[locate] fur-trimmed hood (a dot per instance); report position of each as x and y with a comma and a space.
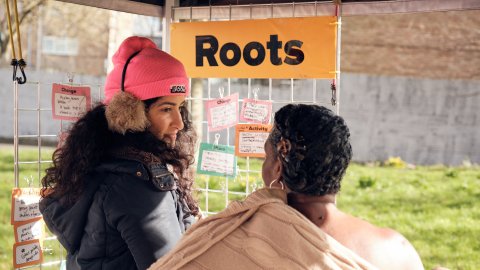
125, 113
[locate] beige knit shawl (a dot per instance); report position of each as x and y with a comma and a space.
262, 232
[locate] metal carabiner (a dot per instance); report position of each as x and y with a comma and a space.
21, 64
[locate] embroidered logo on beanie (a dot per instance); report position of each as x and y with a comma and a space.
178, 89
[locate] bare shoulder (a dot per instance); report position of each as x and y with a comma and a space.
383, 247
398, 252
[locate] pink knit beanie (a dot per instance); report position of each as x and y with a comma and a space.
150, 73
141, 71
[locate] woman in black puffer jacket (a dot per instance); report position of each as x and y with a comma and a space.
118, 195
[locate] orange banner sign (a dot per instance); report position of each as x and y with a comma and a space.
268, 48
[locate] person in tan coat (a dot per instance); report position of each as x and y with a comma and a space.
308, 151
263, 232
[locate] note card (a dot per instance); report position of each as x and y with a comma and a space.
250, 139
70, 102
29, 230
218, 160
222, 113
25, 204
256, 111
27, 253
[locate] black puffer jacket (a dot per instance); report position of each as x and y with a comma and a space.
128, 216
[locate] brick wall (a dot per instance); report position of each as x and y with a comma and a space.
440, 45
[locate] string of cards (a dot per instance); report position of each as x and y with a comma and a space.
28, 227
250, 137
69, 103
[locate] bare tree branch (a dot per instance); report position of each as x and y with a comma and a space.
27, 11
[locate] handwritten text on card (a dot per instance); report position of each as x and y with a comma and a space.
27, 253
222, 113
25, 204
70, 102
252, 142
256, 111
250, 139
217, 160
29, 231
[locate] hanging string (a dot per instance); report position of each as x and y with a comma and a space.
333, 86
10, 29
20, 63
19, 40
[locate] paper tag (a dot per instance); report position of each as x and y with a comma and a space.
29, 230
250, 139
25, 204
218, 160
256, 111
27, 253
70, 102
222, 113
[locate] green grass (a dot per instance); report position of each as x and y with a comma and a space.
435, 207
26, 171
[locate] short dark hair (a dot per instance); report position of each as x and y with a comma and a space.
318, 148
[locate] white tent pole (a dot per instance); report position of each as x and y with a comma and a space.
339, 49
15, 133
167, 20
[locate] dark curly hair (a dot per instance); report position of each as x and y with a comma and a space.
90, 141
313, 145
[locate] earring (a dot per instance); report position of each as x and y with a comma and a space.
275, 180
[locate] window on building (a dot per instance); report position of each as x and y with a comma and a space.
147, 26
64, 46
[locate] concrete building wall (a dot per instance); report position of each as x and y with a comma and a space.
423, 121
431, 114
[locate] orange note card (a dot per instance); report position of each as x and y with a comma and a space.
27, 253
250, 139
25, 204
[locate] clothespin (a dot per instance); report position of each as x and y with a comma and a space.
239, 175
217, 138
221, 91
29, 181
70, 76
255, 93
254, 186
